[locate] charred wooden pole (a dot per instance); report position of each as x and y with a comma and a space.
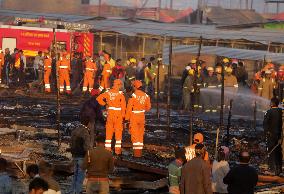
254, 115
217, 143
222, 96
58, 113
169, 88
158, 89
229, 122
195, 89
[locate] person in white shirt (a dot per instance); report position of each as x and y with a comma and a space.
220, 169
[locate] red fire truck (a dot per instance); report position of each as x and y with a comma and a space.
34, 39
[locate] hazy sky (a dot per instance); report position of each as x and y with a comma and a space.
181, 4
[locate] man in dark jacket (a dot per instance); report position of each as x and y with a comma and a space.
99, 163
272, 125
195, 174
80, 144
92, 110
242, 179
7, 66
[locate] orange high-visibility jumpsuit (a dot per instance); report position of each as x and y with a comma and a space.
116, 106
105, 82
64, 74
89, 76
47, 71
1, 65
135, 113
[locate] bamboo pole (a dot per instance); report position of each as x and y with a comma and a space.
169, 88
58, 115
222, 97
143, 47
116, 46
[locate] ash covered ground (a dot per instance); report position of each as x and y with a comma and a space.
28, 122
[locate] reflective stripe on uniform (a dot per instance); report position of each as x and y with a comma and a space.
90, 69
138, 111
46, 86
134, 95
108, 145
260, 88
101, 88
236, 85
137, 148
85, 89
114, 108
109, 71
212, 86
63, 67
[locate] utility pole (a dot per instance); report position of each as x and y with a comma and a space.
100, 6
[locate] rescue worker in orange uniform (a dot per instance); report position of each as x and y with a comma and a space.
135, 114
89, 77
1, 64
190, 150
64, 72
105, 82
116, 105
47, 62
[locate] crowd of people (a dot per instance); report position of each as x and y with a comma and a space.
83, 72
206, 94
108, 81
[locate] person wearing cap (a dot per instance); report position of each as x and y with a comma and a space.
1, 64
137, 105
162, 73
150, 76
241, 179
197, 104
266, 86
64, 69
195, 174
105, 79
220, 169
187, 91
89, 76
130, 73
114, 101
272, 125
190, 150
231, 86
47, 72
209, 96
185, 74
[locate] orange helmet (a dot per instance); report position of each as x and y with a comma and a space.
198, 138
137, 84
